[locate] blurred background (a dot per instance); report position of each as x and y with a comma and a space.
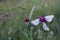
14, 12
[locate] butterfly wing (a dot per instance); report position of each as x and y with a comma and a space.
35, 22
45, 27
49, 18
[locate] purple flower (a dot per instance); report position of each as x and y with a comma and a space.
43, 20
5, 17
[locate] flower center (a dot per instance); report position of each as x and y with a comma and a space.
27, 20
42, 19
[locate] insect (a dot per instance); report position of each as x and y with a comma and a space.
43, 20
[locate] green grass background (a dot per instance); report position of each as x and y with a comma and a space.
18, 10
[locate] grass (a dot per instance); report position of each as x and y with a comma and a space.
16, 29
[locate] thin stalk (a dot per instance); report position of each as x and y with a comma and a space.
30, 15
43, 3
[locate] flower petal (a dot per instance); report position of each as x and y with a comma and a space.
45, 27
35, 22
49, 18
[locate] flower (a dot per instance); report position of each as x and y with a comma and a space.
5, 17
43, 20
27, 20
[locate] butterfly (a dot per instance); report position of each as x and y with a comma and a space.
43, 20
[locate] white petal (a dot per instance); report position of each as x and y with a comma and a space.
35, 22
49, 18
45, 27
